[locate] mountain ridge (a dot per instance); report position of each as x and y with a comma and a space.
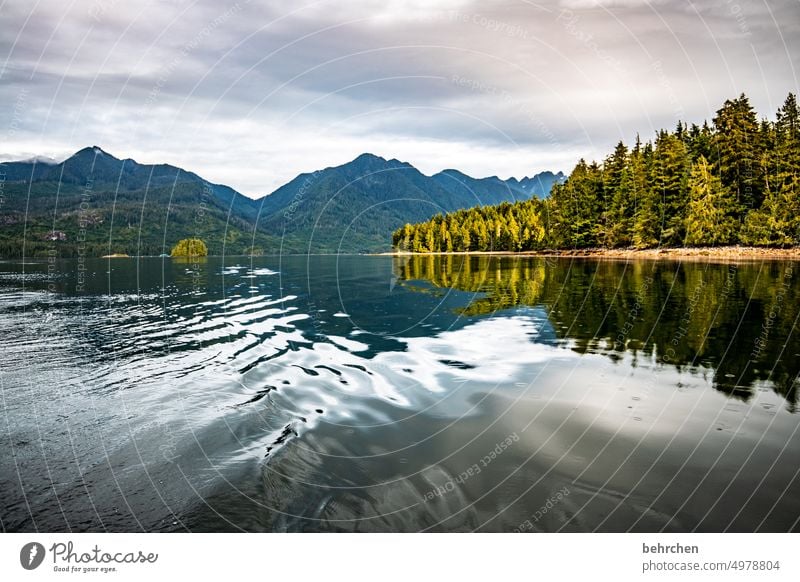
352, 207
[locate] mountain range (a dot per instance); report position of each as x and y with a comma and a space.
93, 203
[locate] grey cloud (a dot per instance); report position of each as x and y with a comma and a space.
272, 86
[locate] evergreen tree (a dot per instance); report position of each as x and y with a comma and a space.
576, 208
513, 233
735, 151
787, 123
670, 181
787, 139
695, 185
700, 141
614, 228
777, 222
646, 218
712, 210
621, 214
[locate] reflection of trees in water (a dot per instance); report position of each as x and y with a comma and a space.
506, 282
737, 320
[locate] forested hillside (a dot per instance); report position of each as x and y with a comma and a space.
736, 180
94, 204
350, 208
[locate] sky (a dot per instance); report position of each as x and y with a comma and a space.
252, 93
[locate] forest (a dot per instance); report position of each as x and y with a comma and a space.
733, 181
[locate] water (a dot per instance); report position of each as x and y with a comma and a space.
399, 394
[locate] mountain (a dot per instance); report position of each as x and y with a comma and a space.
106, 172
539, 185
493, 190
94, 203
477, 191
352, 207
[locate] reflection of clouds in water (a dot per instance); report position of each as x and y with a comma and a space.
477, 357
240, 398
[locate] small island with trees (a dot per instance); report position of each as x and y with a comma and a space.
734, 182
190, 247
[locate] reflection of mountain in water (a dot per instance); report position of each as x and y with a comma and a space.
734, 321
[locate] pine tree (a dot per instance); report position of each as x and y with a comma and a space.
787, 123
482, 240
443, 232
621, 214
777, 222
670, 181
513, 234
576, 208
712, 210
695, 185
646, 214
787, 139
735, 151
614, 229
418, 243
700, 140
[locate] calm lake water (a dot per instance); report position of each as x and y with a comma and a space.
399, 394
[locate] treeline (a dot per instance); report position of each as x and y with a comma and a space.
736, 180
518, 226
136, 231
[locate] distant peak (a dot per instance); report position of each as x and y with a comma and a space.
541, 175
368, 157
94, 151
371, 163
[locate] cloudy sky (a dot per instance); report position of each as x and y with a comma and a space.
252, 93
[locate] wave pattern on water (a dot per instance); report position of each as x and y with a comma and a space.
341, 403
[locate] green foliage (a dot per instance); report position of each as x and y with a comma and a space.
777, 221
576, 208
670, 179
112, 211
734, 181
736, 151
646, 216
104, 205
352, 207
506, 227
190, 247
712, 211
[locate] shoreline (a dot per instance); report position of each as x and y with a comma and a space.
726, 253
